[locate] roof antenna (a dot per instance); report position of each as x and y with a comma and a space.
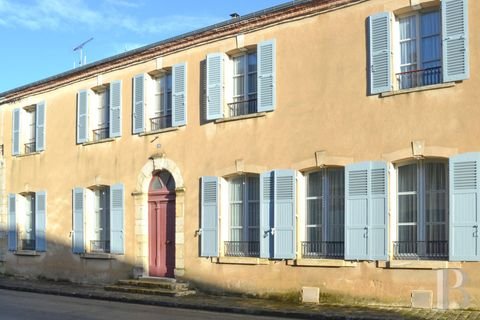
83, 58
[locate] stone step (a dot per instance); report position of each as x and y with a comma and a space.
150, 291
149, 283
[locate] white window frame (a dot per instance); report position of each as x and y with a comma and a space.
152, 97
25, 202
90, 211
27, 133
98, 96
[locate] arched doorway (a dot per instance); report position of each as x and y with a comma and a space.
161, 225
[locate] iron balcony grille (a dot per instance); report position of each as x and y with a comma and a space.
161, 122
323, 249
420, 250
241, 108
419, 78
27, 244
100, 134
99, 246
242, 248
29, 147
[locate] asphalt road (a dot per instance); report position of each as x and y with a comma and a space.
25, 306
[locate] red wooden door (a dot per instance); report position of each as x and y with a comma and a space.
161, 231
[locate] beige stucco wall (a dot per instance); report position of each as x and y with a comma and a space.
321, 105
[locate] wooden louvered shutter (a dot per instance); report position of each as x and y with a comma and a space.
138, 120
179, 95
266, 73
209, 217
379, 32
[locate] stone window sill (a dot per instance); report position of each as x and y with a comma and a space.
27, 154
97, 256
158, 131
97, 142
418, 264
418, 89
322, 263
27, 253
245, 116
241, 260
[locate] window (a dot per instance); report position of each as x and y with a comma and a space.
244, 217
99, 113
429, 46
422, 198
28, 129
98, 219
26, 221
159, 99
245, 81
325, 214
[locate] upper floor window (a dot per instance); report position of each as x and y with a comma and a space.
28, 129
99, 113
429, 46
241, 83
159, 100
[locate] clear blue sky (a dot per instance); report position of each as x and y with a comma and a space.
37, 37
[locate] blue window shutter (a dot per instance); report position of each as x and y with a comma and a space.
284, 214
266, 214
379, 45
179, 95
117, 219
464, 200
82, 116
40, 221
455, 40
16, 132
215, 86
378, 212
209, 219
115, 126
12, 222
78, 242
138, 104
40, 126
266, 74
356, 211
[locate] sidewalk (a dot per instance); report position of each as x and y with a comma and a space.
235, 304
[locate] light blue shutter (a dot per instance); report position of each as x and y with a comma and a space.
266, 76
179, 95
78, 242
464, 200
138, 104
40, 221
16, 132
117, 219
40, 126
12, 222
214, 86
209, 219
379, 53
115, 109
356, 211
266, 214
455, 40
82, 116
378, 212
284, 217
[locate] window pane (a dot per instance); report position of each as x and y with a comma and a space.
407, 208
407, 178
314, 234
314, 187
239, 86
336, 196
252, 62
407, 233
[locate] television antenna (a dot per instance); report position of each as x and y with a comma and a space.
79, 48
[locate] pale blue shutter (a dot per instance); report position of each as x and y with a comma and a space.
378, 212
266, 214
464, 201
78, 242
115, 109
117, 219
138, 104
179, 95
12, 222
266, 76
356, 211
284, 217
455, 40
16, 132
214, 86
82, 116
40, 221
379, 32
209, 217
40, 126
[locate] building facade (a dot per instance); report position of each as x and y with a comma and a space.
327, 144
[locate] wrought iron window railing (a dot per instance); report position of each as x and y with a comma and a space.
323, 249
420, 250
419, 78
29, 147
161, 122
27, 244
100, 134
99, 246
240, 108
242, 248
